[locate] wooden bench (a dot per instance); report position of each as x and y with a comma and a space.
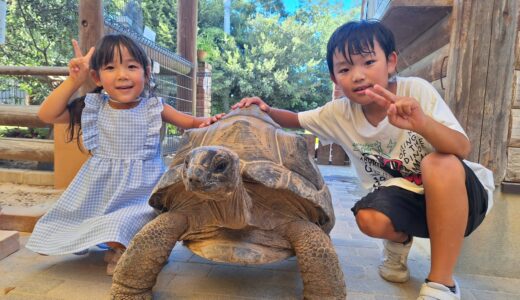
27, 149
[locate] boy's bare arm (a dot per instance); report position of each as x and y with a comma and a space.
445, 139
285, 118
406, 113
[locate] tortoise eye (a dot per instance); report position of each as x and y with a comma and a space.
221, 167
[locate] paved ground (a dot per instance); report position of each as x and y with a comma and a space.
25, 275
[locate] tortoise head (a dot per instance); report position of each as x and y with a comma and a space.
211, 171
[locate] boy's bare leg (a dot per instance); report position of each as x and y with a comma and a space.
447, 212
376, 224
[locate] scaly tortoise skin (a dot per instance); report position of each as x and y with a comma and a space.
241, 191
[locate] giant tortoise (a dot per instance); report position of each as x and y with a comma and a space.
241, 191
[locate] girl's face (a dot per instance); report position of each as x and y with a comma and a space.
123, 79
365, 70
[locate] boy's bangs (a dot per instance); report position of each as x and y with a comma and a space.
357, 45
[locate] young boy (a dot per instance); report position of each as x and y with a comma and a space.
408, 150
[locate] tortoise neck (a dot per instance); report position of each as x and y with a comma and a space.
235, 210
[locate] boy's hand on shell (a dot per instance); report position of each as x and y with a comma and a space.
246, 102
79, 66
212, 120
403, 112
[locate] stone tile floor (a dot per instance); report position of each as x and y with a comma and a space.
26, 275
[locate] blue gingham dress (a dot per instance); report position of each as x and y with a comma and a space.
108, 199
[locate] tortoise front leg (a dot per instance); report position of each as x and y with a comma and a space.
319, 265
137, 270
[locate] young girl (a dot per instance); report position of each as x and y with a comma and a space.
107, 202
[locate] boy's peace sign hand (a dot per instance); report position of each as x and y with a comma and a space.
403, 112
79, 66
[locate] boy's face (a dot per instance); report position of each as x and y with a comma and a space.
365, 70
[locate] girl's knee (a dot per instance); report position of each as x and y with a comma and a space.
372, 222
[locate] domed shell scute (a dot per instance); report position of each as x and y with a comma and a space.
293, 151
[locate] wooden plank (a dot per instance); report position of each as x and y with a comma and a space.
517, 52
433, 39
480, 71
499, 87
516, 89
514, 140
513, 165
338, 155
187, 48
9, 243
432, 67
91, 29
25, 115
323, 154
34, 71
409, 19
27, 149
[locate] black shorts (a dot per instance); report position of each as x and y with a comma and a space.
407, 210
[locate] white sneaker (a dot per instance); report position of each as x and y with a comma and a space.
394, 266
436, 291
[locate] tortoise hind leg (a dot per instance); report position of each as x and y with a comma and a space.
319, 265
137, 270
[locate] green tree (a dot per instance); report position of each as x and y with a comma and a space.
278, 57
38, 34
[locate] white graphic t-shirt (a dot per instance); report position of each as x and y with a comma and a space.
385, 155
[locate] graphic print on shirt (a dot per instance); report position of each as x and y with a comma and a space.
380, 165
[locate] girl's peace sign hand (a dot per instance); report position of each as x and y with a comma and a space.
403, 112
79, 66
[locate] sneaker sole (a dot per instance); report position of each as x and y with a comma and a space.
401, 278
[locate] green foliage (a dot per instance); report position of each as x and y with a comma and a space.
270, 53
24, 132
276, 56
38, 34
161, 16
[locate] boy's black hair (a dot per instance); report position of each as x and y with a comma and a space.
358, 37
103, 55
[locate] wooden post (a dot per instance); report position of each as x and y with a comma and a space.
68, 158
187, 48
480, 76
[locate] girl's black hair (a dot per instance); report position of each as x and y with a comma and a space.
103, 55
357, 37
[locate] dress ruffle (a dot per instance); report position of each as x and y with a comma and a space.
89, 118
154, 108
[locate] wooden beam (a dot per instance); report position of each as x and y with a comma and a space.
187, 48
91, 29
409, 19
433, 39
514, 141
26, 115
34, 71
513, 165
516, 89
68, 159
431, 67
27, 149
517, 52
480, 72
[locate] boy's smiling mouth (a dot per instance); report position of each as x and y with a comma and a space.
361, 89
